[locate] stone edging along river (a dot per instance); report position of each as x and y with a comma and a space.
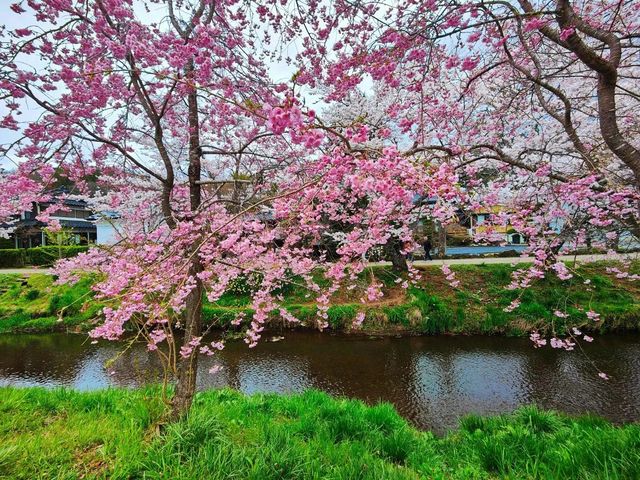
432, 381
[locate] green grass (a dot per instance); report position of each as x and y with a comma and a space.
341, 315
120, 434
431, 307
35, 303
478, 304
476, 307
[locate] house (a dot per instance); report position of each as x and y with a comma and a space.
478, 221
74, 217
108, 228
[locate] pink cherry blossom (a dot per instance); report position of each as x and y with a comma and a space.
566, 33
591, 315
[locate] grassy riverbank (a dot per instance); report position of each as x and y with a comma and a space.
430, 307
120, 434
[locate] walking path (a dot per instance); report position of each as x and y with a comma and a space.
23, 271
480, 261
417, 263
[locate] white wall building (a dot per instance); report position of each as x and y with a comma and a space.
108, 227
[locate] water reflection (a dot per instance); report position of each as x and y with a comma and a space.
431, 380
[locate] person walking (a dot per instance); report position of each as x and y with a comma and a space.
426, 244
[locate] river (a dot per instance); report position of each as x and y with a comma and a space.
432, 381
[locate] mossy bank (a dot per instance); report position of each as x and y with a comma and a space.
477, 306
122, 434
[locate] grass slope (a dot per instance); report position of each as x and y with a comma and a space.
63, 434
431, 307
35, 304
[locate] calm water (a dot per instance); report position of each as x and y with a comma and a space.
431, 380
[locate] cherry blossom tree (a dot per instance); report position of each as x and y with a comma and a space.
217, 172
560, 74
532, 104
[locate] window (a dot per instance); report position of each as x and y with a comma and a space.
73, 213
63, 213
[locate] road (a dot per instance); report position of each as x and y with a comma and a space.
23, 271
480, 261
564, 258
417, 263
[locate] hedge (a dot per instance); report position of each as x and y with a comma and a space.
12, 258
38, 256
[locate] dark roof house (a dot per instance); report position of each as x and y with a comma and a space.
74, 216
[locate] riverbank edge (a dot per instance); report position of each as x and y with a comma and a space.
118, 433
477, 306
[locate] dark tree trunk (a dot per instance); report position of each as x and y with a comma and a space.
393, 250
609, 127
442, 241
187, 367
607, 70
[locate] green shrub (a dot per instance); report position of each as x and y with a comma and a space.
496, 318
12, 258
46, 256
220, 316
17, 319
397, 314
341, 315
437, 317
70, 299
38, 256
304, 313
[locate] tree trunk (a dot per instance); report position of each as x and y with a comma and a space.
393, 249
188, 367
442, 241
609, 127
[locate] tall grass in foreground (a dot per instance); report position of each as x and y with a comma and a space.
119, 434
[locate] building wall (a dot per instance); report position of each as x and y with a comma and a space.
106, 233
